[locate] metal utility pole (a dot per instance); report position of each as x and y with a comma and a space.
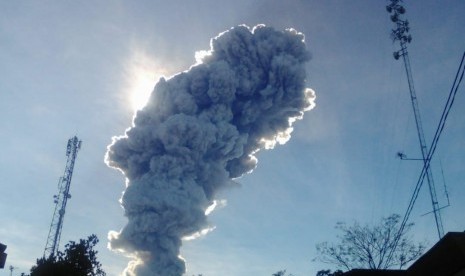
400, 33
11, 269
60, 199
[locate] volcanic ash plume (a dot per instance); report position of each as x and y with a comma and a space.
200, 129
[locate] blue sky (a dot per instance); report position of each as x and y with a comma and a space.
69, 68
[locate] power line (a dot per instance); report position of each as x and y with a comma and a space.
450, 101
401, 34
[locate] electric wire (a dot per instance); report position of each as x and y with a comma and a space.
432, 149
446, 194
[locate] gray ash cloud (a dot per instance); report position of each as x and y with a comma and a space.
199, 130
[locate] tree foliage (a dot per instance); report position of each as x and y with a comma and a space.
369, 247
329, 273
281, 273
78, 259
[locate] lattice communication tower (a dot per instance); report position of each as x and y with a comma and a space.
401, 34
60, 199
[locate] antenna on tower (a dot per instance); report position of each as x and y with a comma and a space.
60, 199
401, 34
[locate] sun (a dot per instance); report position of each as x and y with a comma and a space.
141, 76
143, 83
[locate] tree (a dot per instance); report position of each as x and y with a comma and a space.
78, 259
370, 247
329, 273
281, 273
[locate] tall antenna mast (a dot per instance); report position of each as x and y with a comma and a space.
401, 34
60, 199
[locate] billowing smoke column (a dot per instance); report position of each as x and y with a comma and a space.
200, 129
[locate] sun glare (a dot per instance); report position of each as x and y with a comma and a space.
143, 73
144, 82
